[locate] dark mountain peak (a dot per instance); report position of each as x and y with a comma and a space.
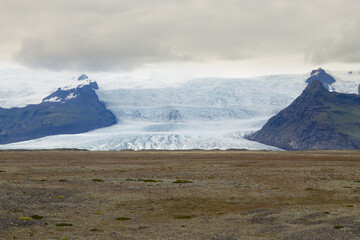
317, 71
315, 86
320, 74
93, 85
317, 119
315, 92
68, 93
83, 77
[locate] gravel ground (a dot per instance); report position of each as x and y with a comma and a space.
222, 195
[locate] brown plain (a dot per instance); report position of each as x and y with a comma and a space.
220, 195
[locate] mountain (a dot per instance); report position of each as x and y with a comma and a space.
317, 119
322, 76
68, 110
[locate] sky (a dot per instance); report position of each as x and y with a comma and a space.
180, 39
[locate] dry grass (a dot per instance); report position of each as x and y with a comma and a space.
226, 195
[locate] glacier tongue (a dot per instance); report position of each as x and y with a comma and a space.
146, 135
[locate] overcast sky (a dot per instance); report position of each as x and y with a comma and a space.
212, 37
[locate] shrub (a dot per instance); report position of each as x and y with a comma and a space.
96, 230
97, 180
123, 218
182, 217
149, 180
64, 225
182, 181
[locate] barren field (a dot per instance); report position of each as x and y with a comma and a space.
220, 195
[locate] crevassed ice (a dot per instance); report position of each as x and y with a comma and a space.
207, 113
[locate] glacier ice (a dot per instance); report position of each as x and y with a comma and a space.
209, 113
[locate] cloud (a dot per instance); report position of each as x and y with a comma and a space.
87, 53
342, 47
122, 34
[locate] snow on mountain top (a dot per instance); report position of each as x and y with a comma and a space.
77, 84
67, 93
20, 86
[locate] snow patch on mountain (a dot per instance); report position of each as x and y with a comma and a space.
53, 99
79, 84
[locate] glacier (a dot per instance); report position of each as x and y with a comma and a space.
207, 113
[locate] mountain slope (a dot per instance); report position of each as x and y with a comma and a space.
66, 111
317, 119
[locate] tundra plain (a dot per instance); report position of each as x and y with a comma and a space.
220, 195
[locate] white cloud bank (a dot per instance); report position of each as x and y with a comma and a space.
113, 35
